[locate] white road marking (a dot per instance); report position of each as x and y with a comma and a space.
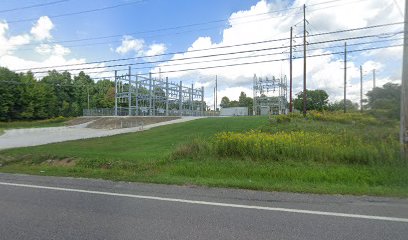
336, 214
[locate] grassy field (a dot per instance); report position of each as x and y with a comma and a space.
54, 122
192, 153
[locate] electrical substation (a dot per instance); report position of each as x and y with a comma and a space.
270, 95
145, 95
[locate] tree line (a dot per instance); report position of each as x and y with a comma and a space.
384, 100
23, 97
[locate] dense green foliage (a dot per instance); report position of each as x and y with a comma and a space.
22, 97
385, 101
316, 100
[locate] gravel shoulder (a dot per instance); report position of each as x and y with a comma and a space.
14, 138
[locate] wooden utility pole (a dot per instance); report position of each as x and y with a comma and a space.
361, 88
404, 91
290, 70
304, 61
345, 76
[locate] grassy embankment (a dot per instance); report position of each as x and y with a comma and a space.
351, 154
53, 122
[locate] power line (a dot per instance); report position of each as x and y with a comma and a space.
169, 28
275, 60
207, 49
80, 12
213, 55
258, 62
33, 6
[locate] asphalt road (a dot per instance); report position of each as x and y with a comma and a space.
35, 207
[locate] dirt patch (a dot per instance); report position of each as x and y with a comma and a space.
80, 120
127, 122
66, 162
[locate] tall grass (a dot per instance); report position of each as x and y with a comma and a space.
351, 138
52, 122
305, 146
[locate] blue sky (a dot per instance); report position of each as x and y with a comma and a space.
141, 16
44, 39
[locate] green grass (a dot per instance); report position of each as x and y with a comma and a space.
53, 122
183, 154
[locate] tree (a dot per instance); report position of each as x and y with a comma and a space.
339, 106
245, 101
10, 94
386, 99
225, 102
316, 100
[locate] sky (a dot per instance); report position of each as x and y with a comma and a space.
164, 37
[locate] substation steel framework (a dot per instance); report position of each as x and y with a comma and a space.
270, 95
138, 95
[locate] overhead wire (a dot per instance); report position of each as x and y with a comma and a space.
33, 6
207, 49
215, 55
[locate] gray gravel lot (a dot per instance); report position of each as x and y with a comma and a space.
38, 136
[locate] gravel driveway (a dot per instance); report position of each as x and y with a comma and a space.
38, 136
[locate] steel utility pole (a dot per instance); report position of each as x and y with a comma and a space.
130, 93
290, 70
216, 92
304, 61
361, 88
374, 78
404, 91
116, 93
345, 76
214, 100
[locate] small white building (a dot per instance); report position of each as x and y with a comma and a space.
234, 111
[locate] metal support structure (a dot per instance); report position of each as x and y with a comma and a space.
270, 96
404, 91
345, 77
290, 71
181, 98
167, 94
136, 96
374, 78
148, 95
361, 88
202, 101
130, 93
216, 92
116, 93
304, 61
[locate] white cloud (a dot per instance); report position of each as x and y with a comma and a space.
42, 29
260, 23
60, 50
9, 43
57, 49
153, 50
156, 49
43, 49
130, 44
